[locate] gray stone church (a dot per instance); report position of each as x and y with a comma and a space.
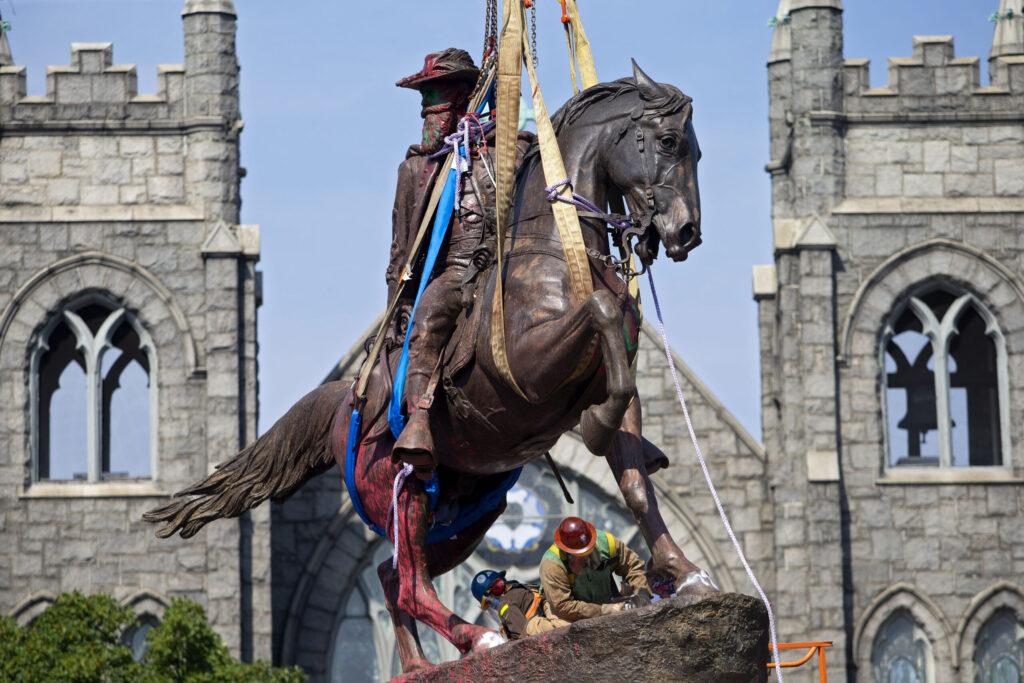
882, 512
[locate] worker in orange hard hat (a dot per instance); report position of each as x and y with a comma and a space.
576, 572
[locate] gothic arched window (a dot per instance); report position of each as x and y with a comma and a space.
134, 636
946, 392
901, 652
999, 649
93, 404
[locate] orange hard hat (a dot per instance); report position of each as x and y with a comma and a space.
575, 536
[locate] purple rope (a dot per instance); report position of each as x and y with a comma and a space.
582, 202
481, 130
711, 486
459, 142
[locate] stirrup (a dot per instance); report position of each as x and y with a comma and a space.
415, 445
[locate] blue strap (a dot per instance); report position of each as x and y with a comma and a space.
467, 515
444, 213
351, 447
471, 513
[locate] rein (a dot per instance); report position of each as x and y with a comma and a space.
622, 228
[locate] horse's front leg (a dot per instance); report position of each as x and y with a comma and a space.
546, 355
416, 596
626, 459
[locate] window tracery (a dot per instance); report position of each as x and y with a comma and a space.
946, 392
93, 404
999, 649
901, 652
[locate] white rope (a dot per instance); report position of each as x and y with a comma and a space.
393, 508
711, 486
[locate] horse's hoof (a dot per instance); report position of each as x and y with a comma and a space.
487, 640
597, 436
416, 665
695, 587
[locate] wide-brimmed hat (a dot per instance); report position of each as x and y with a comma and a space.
575, 536
452, 64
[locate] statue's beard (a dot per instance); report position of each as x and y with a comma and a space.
437, 125
440, 120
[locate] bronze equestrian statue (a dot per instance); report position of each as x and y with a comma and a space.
632, 137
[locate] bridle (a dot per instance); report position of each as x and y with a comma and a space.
623, 229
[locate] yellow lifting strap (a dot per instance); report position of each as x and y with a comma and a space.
509, 86
566, 219
579, 48
581, 54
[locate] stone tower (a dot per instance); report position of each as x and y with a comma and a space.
128, 297
892, 346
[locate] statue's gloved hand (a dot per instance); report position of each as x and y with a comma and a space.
641, 599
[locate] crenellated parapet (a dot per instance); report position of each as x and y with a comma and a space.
92, 88
934, 81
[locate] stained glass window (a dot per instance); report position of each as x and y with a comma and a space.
901, 651
516, 542
135, 636
999, 649
353, 660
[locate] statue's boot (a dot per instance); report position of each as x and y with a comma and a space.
415, 445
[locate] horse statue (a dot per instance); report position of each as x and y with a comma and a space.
632, 136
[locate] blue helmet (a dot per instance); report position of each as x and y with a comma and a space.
483, 581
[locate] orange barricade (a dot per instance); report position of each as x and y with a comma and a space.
811, 649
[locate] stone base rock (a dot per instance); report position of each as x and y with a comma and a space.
720, 639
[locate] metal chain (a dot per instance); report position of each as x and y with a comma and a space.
533, 31
494, 21
490, 28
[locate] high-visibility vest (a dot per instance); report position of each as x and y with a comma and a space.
596, 585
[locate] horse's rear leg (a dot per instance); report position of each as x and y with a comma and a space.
406, 636
626, 459
416, 596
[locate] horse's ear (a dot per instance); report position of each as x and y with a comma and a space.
649, 90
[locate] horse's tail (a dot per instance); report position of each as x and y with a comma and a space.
296, 449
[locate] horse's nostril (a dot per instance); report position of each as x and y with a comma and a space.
687, 232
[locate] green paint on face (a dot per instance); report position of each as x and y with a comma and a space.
431, 96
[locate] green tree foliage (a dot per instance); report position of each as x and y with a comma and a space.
185, 648
77, 640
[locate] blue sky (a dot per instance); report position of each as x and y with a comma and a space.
325, 129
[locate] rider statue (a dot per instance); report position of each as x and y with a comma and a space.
445, 84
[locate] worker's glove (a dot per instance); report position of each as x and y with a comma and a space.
642, 598
612, 608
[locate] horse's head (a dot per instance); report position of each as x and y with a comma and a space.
654, 165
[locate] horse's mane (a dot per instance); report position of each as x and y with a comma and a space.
673, 102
